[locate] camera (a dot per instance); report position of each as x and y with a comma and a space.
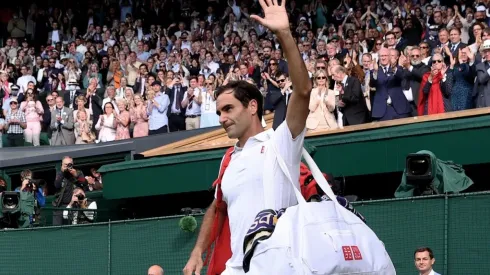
80, 197
69, 166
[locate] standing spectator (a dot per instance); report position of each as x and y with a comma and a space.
2, 126
158, 103
280, 100
17, 26
322, 105
435, 89
107, 124
83, 128
33, 110
62, 124
192, 105
140, 117
122, 120
16, 123
482, 91
389, 101
463, 80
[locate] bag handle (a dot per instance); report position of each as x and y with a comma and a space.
315, 171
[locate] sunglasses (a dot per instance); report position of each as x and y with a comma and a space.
272, 64
281, 80
437, 61
424, 47
379, 44
348, 43
49, 99
415, 56
209, 83
320, 68
321, 78
13, 103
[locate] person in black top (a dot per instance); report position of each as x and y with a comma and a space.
66, 181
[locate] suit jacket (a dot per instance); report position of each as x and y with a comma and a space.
96, 102
388, 85
180, 96
412, 79
455, 51
482, 91
278, 101
63, 134
355, 110
60, 35
137, 86
66, 97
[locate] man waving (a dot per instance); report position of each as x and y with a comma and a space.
240, 108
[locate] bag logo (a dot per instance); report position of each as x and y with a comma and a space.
262, 150
351, 253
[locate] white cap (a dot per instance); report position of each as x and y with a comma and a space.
481, 8
486, 45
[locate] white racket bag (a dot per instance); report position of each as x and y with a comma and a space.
319, 238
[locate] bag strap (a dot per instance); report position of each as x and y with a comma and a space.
315, 171
318, 176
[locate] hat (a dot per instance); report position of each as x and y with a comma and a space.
156, 83
334, 37
14, 87
14, 99
302, 19
481, 8
485, 46
72, 81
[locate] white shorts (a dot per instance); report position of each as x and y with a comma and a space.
233, 271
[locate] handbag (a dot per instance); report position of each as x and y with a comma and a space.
319, 237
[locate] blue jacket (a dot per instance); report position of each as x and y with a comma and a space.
389, 84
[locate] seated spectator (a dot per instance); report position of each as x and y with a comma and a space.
94, 180
83, 128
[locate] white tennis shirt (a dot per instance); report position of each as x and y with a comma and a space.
243, 187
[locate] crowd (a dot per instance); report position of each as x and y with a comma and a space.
122, 69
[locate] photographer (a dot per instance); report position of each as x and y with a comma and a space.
66, 181
79, 200
33, 186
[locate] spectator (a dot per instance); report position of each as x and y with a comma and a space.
192, 104
62, 124
157, 106
83, 128
33, 110
322, 105
107, 124
15, 124
122, 120
281, 100
209, 118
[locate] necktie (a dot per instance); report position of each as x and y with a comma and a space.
453, 47
176, 96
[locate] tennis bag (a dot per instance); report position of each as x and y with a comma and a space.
319, 238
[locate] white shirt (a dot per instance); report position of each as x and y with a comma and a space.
195, 109
23, 81
242, 183
89, 214
431, 272
208, 104
113, 101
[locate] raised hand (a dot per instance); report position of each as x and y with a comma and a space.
275, 16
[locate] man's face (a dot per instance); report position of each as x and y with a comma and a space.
111, 92
30, 86
59, 102
415, 56
398, 32
282, 81
330, 50
384, 57
443, 36
437, 18
50, 100
267, 53
390, 39
193, 83
423, 262
233, 116
366, 62
454, 36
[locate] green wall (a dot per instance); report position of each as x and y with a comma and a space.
373, 151
455, 227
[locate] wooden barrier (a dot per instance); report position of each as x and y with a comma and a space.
218, 139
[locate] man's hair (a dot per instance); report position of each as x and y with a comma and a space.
423, 249
66, 157
244, 92
338, 69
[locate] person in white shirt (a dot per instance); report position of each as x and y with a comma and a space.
192, 103
209, 118
209, 67
25, 79
240, 108
111, 97
424, 260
